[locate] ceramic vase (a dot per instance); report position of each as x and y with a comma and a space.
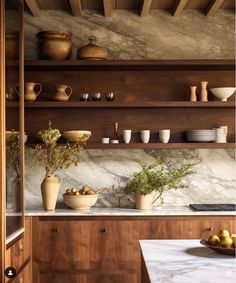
127, 136
203, 93
50, 189
193, 93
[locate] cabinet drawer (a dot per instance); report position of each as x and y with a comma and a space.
203, 227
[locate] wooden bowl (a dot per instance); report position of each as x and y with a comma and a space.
77, 136
226, 251
80, 202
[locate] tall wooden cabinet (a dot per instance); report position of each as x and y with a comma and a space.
11, 139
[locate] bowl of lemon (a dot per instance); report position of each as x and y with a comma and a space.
224, 242
82, 199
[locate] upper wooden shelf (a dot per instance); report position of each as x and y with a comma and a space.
128, 64
148, 104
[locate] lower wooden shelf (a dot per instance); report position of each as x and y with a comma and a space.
159, 145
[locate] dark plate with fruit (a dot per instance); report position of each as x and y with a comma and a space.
218, 249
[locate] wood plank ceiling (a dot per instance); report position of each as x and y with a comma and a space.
106, 7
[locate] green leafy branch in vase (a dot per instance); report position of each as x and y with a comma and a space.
160, 177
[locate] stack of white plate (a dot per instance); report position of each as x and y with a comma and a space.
201, 135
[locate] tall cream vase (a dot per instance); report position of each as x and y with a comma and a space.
50, 189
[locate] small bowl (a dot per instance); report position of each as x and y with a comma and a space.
77, 136
223, 93
80, 202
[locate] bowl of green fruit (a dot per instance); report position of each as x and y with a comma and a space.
82, 199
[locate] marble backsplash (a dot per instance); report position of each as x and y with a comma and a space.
128, 36
214, 181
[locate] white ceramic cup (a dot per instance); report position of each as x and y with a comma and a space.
114, 141
145, 136
164, 135
105, 140
127, 136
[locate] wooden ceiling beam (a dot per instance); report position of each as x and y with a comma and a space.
145, 7
179, 6
33, 7
213, 7
76, 7
108, 6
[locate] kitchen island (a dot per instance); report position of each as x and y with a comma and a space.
184, 261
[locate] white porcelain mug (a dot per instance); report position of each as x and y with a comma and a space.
127, 136
164, 135
145, 136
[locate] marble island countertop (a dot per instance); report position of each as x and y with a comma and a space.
106, 211
184, 261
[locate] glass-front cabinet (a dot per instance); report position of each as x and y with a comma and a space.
14, 126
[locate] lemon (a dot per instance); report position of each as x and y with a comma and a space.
213, 240
223, 234
226, 242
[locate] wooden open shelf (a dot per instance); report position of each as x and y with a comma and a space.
160, 145
149, 94
145, 104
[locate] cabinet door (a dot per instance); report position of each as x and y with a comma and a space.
164, 228
203, 227
90, 278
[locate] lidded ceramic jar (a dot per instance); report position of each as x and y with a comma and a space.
92, 51
53, 45
12, 45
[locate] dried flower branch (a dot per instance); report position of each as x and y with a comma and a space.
12, 150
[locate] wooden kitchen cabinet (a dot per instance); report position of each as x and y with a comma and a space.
106, 249
61, 246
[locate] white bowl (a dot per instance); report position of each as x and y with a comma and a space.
80, 202
223, 93
77, 136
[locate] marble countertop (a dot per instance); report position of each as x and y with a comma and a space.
105, 211
184, 261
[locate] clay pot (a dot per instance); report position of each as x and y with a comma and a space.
30, 93
12, 46
54, 45
92, 51
50, 189
61, 94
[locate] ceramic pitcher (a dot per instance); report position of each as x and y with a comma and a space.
50, 189
30, 92
147, 201
61, 94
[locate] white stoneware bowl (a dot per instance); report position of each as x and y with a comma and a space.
77, 136
80, 202
223, 93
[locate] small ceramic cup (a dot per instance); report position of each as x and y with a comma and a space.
97, 96
164, 135
127, 136
84, 97
110, 96
105, 140
145, 136
114, 141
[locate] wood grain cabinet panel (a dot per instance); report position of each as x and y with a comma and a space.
96, 277
203, 227
83, 245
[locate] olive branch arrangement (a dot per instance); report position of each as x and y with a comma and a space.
53, 156
160, 177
